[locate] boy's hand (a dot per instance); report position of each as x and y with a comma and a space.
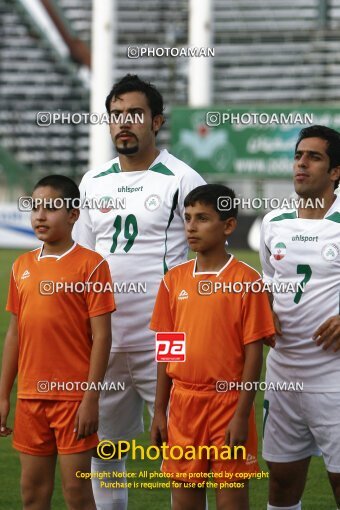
237, 431
159, 429
4, 412
86, 422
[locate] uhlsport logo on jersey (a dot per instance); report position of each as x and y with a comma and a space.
330, 252
280, 251
170, 347
152, 202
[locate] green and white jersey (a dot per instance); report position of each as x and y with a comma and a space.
303, 251
141, 238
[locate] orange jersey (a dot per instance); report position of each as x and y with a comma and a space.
55, 337
217, 324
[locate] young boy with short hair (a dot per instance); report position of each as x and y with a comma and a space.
224, 332
58, 342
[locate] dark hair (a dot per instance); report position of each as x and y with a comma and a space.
211, 194
66, 186
332, 138
132, 83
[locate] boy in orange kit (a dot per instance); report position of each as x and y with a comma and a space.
58, 343
225, 325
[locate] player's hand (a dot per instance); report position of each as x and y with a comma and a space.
237, 431
159, 429
328, 334
4, 412
86, 422
277, 324
269, 340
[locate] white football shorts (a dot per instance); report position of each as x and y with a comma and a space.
121, 410
297, 425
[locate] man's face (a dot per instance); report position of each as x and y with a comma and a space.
128, 137
204, 229
311, 168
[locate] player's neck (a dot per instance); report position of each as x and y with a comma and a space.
138, 162
317, 213
57, 247
211, 261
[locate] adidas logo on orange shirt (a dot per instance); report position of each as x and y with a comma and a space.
26, 274
183, 294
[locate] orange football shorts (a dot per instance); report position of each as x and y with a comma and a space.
46, 427
198, 415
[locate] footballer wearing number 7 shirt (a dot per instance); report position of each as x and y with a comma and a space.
302, 246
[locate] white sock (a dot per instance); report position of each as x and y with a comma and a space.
102, 496
294, 507
119, 496
108, 498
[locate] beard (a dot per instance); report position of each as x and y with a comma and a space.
125, 148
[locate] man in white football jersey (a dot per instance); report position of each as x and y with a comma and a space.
140, 238
302, 245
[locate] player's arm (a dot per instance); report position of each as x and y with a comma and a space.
328, 334
268, 272
237, 430
189, 181
159, 432
276, 320
9, 372
82, 232
162, 320
86, 422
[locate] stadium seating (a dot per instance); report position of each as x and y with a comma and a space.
266, 52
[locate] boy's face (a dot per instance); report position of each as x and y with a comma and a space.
51, 224
204, 228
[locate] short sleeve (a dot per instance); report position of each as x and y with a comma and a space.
82, 231
268, 270
161, 319
257, 319
99, 295
13, 295
189, 181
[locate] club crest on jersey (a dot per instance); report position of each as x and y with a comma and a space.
330, 252
279, 251
152, 202
105, 201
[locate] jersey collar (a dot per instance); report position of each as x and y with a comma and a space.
216, 273
57, 257
162, 156
333, 208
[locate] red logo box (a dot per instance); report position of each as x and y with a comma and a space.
170, 347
